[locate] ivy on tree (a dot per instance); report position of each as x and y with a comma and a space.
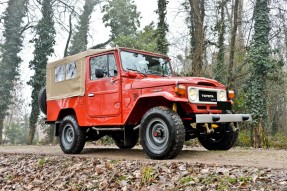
80, 38
9, 66
162, 27
44, 43
259, 57
122, 17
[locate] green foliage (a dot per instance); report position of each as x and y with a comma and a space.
80, 38
122, 17
260, 63
244, 139
148, 175
186, 180
9, 66
143, 40
162, 27
278, 141
44, 43
42, 161
264, 70
16, 133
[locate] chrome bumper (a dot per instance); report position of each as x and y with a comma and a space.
222, 118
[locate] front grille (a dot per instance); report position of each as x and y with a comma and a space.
207, 96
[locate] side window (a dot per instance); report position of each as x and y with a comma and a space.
66, 71
107, 63
71, 70
99, 62
59, 73
113, 71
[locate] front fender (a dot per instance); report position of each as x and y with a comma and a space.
148, 101
167, 95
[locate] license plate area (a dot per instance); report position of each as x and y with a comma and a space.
207, 96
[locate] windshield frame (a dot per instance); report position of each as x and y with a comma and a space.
166, 62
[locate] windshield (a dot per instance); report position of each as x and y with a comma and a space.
145, 64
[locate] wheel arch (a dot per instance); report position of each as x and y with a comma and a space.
143, 104
63, 113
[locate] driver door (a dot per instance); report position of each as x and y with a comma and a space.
103, 98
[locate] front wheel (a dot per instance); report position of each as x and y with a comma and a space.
72, 138
223, 138
162, 133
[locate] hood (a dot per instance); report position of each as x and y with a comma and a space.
155, 82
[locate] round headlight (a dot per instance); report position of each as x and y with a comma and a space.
222, 96
192, 94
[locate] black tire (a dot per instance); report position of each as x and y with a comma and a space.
162, 133
42, 98
72, 138
132, 139
223, 138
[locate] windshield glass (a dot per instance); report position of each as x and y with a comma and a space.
145, 64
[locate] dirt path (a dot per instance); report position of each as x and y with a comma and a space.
240, 157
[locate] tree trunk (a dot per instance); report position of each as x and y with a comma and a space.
260, 140
220, 71
69, 35
33, 121
232, 46
1, 128
240, 36
197, 8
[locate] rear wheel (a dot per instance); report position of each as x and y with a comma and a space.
72, 138
223, 138
162, 133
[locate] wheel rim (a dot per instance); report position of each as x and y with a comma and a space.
157, 135
68, 136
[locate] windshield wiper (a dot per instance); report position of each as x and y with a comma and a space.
137, 71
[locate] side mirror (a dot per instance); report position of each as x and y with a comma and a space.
99, 73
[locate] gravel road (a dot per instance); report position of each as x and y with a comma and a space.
240, 157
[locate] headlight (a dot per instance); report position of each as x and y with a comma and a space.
192, 94
222, 96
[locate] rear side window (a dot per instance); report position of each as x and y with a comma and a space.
107, 63
59, 73
71, 70
66, 72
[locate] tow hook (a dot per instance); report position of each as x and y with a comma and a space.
208, 129
234, 128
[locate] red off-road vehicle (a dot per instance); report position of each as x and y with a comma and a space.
130, 94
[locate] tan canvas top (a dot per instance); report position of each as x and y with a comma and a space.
66, 86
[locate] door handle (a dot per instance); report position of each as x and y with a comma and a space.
113, 80
91, 95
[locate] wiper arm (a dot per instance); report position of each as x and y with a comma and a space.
137, 71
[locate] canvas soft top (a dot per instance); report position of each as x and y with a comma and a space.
71, 87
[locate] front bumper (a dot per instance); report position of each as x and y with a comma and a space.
222, 118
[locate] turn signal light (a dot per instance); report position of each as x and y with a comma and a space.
231, 94
180, 89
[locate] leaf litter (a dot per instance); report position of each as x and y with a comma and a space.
43, 172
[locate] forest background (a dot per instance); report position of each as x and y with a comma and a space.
240, 43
